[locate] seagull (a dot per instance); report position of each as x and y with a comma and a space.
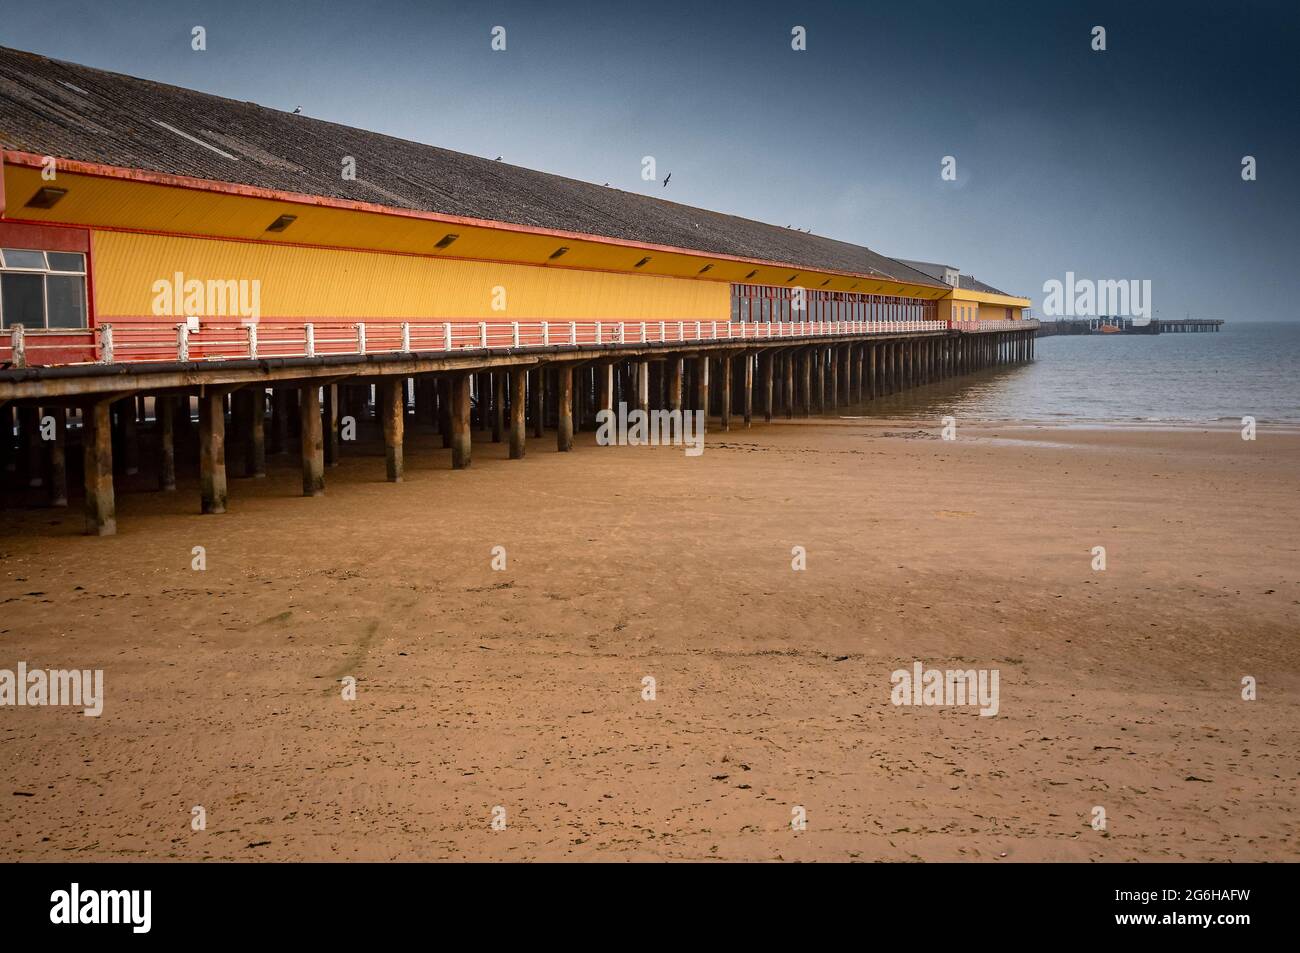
666, 178
297, 110
498, 159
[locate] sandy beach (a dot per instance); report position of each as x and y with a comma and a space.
522, 688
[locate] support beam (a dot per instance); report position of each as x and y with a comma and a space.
498, 404
59, 458
392, 397
747, 388
537, 400
212, 452
330, 425
165, 410
518, 419
97, 457
460, 429
312, 440
725, 385
564, 398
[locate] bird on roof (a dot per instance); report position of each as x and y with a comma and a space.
297, 110
498, 159
666, 178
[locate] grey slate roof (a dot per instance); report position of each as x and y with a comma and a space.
50, 107
965, 282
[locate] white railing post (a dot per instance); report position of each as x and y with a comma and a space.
514, 330
183, 342
19, 345
642, 332
252, 341
106, 344
715, 330
598, 340
446, 335
482, 334
546, 333
406, 337
309, 338
573, 332
360, 328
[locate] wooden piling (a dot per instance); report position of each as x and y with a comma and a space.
97, 459
165, 410
330, 425
518, 418
460, 426
312, 440
392, 397
212, 452
59, 458
564, 398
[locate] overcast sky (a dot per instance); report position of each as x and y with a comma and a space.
1117, 164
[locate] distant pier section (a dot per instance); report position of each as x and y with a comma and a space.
1116, 325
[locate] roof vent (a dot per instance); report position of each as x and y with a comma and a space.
558, 252
705, 268
281, 223
751, 274
642, 262
445, 241
46, 197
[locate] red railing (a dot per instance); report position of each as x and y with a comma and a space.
133, 340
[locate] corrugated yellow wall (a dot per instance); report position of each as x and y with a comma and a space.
330, 283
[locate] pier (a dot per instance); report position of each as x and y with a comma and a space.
1117, 325
228, 397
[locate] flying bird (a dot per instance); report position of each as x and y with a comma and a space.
666, 178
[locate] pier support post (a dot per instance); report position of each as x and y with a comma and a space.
643, 386
518, 420
767, 360
445, 413
130, 436
330, 425
312, 440
702, 385
747, 387
392, 397
59, 458
459, 429
212, 451
97, 458
247, 410
674, 369
564, 398
165, 409
537, 400
279, 420
498, 379
725, 385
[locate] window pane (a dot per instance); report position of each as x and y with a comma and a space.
23, 300
66, 261
17, 258
67, 298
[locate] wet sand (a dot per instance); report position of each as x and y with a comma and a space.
523, 688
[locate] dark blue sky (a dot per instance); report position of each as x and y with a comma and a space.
1122, 164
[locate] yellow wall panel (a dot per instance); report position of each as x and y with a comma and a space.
298, 282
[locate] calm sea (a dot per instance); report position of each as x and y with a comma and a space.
1245, 369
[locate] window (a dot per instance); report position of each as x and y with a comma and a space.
40, 289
